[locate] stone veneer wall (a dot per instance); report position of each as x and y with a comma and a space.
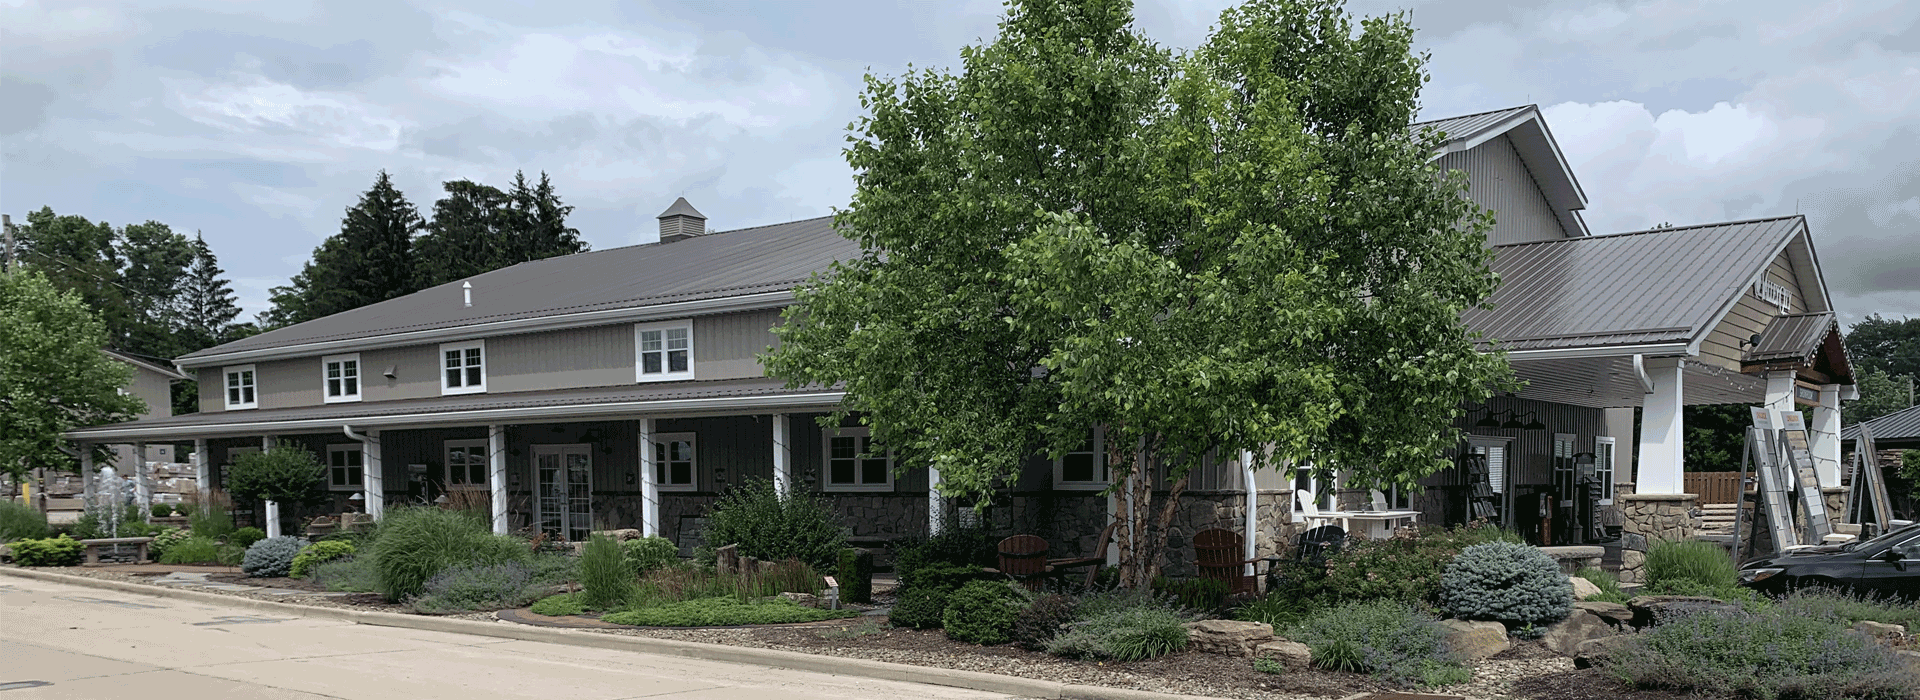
1649, 518
1227, 510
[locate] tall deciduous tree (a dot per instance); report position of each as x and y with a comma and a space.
78, 255
156, 266
1241, 248
53, 377
369, 261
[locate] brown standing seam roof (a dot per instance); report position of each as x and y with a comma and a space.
1658, 286
1791, 337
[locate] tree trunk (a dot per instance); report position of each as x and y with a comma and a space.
1143, 535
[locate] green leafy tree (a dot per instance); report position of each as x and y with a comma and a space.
1889, 346
53, 377
287, 474
1880, 394
1716, 435
1239, 248
79, 256
369, 261
153, 281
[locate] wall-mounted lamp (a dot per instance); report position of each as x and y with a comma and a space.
1751, 341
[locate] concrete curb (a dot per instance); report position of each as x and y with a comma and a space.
775, 658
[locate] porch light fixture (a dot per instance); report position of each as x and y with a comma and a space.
1533, 423
1512, 423
1487, 422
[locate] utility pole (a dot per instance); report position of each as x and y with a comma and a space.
6, 231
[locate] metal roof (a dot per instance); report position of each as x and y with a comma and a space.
1649, 287
1901, 425
726, 264
681, 207
1792, 337
147, 365
625, 401
1468, 126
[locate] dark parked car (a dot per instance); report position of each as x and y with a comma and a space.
1888, 565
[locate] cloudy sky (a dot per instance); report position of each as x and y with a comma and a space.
258, 123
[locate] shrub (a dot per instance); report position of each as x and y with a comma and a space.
1040, 621
1689, 566
211, 518
943, 577
165, 540
52, 551
318, 553
982, 612
19, 521
184, 510
968, 547
1266, 665
856, 575
1405, 568
478, 587
1507, 582
606, 579
1194, 593
919, 608
550, 568
287, 473
1771, 654
1124, 634
1391, 640
768, 527
162, 510
1283, 607
246, 536
414, 544
202, 550
1849, 607
1608, 584
352, 575
559, 605
648, 554
271, 557
716, 612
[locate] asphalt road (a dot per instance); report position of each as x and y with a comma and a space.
102, 645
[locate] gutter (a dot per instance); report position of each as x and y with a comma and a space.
655, 312
1655, 350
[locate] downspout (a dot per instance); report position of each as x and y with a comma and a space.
1253, 511
373, 476
1640, 371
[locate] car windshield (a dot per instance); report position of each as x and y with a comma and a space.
1899, 534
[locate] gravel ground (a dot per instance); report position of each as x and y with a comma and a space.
1526, 671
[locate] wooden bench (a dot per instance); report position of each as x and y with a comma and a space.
94, 546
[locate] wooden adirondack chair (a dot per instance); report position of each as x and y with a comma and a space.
1220, 555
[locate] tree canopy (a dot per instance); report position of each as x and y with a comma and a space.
1242, 247
53, 377
369, 261
1886, 361
477, 228
287, 474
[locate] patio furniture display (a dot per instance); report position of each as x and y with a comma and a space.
1218, 554
1315, 544
1023, 558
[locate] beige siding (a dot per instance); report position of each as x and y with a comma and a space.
155, 389
581, 357
1498, 180
1751, 315
416, 373
288, 383
725, 346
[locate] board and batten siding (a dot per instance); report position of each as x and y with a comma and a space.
726, 345
576, 357
1498, 180
1750, 315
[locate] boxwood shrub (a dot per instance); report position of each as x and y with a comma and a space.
982, 612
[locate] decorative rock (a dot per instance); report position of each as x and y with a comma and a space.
1613, 613
1880, 631
805, 600
1472, 640
1565, 636
1597, 652
1582, 588
1652, 609
620, 535
1289, 653
1910, 657
1230, 637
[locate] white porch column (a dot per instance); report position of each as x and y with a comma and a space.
202, 469
933, 501
142, 482
497, 476
1252, 525
649, 487
1662, 434
782, 456
273, 509
1780, 390
1825, 439
373, 476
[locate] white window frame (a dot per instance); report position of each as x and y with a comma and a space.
471, 447
440, 367
228, 387
826, 462
1325, 502
340, 448
663, 467
327, 379
1604, 463
640, 373
1060, 481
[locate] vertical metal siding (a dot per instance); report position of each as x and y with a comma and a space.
1498, 180
725, 345
286, 383
1529, 459
416, 373
727, 450
576, 357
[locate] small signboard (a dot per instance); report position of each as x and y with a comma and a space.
1763, 418
832, 583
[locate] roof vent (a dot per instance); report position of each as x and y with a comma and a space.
681, 221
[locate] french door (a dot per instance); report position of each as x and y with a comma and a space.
563, 482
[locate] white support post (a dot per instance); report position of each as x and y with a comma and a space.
782, 456
1253, 511
202, 470
373, 476
273, 509
142, 482
1662, 431
497, 476
649, 487
934, 501
87, 477
1825, 439
1780, 390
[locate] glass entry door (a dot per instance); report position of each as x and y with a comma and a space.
563, 479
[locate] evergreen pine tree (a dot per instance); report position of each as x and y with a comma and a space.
157, 260
369, 261
206, 304
544, 219
467, 235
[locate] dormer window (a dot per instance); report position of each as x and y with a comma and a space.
340, 378
241, 388
663, 351
463, 367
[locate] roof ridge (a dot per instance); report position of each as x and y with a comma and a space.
1475, 114
1671, 229
704, 235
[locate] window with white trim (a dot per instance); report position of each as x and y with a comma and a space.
674, 466
852, 463
1603, 456
663, 351
344, 467
1084, 467
463, 367
241, 388
1322, 487
340, 378
467, 464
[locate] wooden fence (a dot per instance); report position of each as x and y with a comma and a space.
1714, 487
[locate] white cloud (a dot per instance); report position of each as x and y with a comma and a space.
254, 105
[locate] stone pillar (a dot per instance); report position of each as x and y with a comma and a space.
1650, 518
782, 456
1662, 432
649, 487
933, 501
1825, 436
497, 476
202, 470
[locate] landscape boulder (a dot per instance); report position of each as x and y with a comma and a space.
620, 535
1565, 636
1880, 631
805, 600
1473, 640
1289, 653
1582, 588
1649, 610
1597, 652
1614, 613
1229, 637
